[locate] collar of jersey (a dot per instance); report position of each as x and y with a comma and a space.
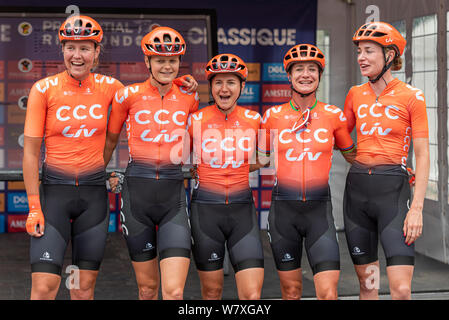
153, 88
84, 83
387, 89
295, 108
234, 112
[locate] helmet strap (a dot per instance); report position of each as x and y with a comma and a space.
384, 69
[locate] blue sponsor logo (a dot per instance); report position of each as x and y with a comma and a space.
2, 223
250, 93
2, 114
274, 72
112, 222
17, 202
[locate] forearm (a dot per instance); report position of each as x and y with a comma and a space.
31, 173
421, 180
111, 142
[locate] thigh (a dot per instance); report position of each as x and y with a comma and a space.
138, 229
174, 234
285, 238
208, 240
47, 252
360, 228
392, 207
243, 237
90, 228
321, 237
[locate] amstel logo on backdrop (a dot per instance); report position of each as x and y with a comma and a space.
278, 93
17, 222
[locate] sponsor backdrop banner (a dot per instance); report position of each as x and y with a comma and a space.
259, 32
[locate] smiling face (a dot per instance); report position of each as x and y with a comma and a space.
226, 89
370, 57
305, 76
163, 69
79, 57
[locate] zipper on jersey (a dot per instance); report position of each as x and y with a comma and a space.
303, 175
159, 147
226, 179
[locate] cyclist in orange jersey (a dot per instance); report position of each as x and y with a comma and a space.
69, 110
302, 134
387, 114
224, 138
156, 113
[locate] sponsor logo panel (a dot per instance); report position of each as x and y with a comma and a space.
278, 93
17, 202
17, 222
274, 72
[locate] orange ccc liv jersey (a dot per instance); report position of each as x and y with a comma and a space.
386, 124
72, 116
155, 128
303, 157
223, 146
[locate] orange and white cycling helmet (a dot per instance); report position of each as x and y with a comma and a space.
382, 33
304, 52
226, 63
163, 41
80, 28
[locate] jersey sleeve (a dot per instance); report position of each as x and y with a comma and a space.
264, 139
36, 113
196, 102
418, 116
349, 111
343, 139
119, 112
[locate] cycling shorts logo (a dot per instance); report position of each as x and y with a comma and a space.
287, 257
214, 257
148, 247
46, 256
356, 251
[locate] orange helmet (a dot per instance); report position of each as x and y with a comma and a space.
226, 63
163, 41
304, 52
382, 33
80, 28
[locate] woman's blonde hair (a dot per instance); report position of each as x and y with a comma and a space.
397, 60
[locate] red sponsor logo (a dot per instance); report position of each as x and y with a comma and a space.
268, 180
54, 67
112, 201
266, 199
108, 69
18, 90
25, 69
133, 71
17, 222
2, 136
15, 157
256, 198
2, 70
198, 71
276, 93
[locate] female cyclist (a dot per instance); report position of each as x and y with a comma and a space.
156, 113
70, 111
224, 138
302, 134
387, 114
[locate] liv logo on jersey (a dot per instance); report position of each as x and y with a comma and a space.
274, 72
